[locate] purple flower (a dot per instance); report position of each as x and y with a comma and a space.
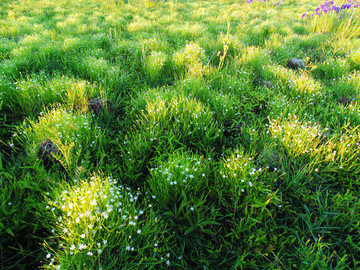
335, 8
328, 6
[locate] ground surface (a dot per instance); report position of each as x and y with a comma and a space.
151, 135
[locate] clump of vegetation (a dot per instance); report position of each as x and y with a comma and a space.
101, 223
154, 64
179, 134
191, 58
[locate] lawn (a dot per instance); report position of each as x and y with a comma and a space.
179, 134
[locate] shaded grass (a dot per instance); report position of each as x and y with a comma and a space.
239, 161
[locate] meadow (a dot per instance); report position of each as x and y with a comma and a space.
179, 134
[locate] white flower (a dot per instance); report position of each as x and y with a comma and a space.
90, 253
192, 208
127, 247
93, 203
72, 247
83, 235
48, 256
82, 246
138, 231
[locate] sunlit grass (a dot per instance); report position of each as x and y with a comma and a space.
175, 134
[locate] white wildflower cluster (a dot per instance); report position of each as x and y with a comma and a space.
298, 137
69, 131
334, 68
342, 150
47, 90
190, 120
65, 123
240, 172
351, 79
295, 83
181, 173
87, 216
285, 104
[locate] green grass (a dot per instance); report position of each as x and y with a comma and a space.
173, 135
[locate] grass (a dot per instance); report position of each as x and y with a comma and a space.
174, 135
